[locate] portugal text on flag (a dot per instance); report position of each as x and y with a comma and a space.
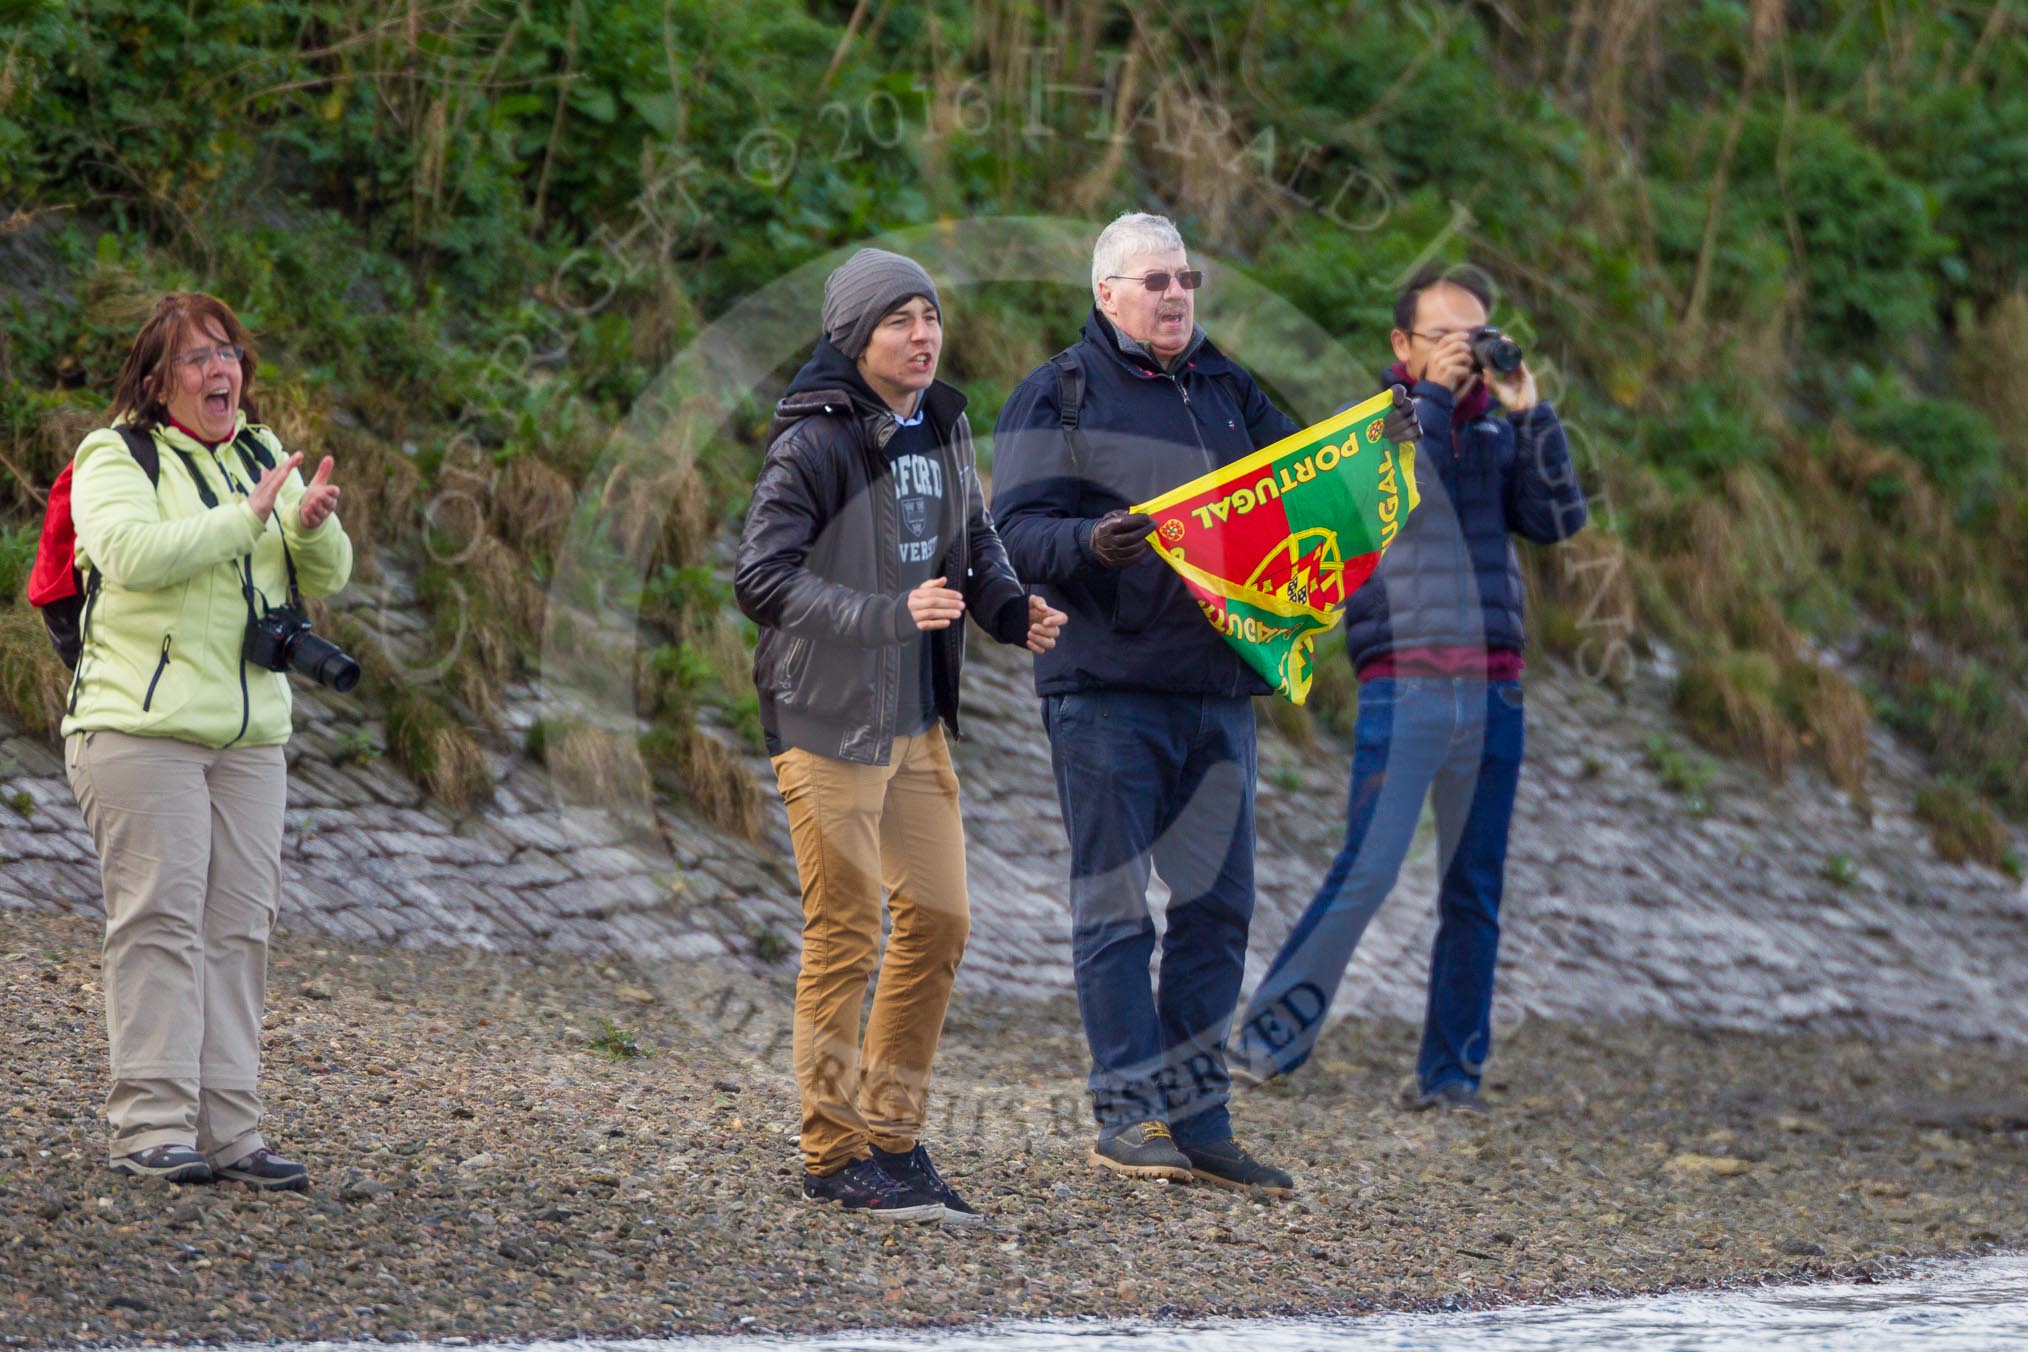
1273, 544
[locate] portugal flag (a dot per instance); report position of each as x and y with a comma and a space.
1273, 544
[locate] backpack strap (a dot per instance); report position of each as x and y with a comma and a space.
142, 447
1070, 406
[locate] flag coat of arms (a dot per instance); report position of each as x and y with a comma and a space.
1272, 545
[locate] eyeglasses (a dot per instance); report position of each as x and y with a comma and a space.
1159, 281
200, 358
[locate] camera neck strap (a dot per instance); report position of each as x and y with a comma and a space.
253, 460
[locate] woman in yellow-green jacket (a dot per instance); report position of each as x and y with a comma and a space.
174, 738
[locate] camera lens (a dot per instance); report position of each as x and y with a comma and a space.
1493, 349
323, 662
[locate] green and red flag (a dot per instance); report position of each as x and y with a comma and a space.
1270, 546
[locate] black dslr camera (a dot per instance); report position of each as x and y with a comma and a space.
281, 641
1493, 350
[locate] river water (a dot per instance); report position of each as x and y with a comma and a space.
1974, 1306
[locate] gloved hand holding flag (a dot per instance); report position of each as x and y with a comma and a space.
1273, 544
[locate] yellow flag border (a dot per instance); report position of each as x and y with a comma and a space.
1323, 431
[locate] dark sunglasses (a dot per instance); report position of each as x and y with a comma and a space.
1159, 281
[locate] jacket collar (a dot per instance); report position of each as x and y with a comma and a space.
830, 383
1201, 355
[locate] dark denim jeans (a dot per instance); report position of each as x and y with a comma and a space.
1166, 780
1459, 741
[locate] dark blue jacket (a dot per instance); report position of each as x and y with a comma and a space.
1452, 579
1148, 431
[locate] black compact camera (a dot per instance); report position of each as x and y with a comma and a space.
1494, 350
281, 641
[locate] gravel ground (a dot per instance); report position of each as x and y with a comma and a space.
482, 1171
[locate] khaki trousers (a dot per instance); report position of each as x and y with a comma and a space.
855, 829
190, 855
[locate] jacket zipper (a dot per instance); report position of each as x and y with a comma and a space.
885, 508
160, 667
245, 699
1190, 411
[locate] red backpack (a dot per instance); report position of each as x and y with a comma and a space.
55, 587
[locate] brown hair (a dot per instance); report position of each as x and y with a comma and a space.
144, 375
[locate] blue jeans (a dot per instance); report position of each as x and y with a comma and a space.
1163, 780
1459, 741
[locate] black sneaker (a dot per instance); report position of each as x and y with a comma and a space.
863, 1186
1226, 1164
170, 1163
1144, 1150
914, 1170
265, 1169
1454, 1096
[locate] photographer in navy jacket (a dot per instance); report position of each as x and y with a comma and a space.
1436, 637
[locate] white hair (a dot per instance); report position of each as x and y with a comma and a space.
1136, 232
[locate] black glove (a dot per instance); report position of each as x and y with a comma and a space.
1401, 424
1121, 538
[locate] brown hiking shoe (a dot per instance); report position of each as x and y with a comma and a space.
1143, 1150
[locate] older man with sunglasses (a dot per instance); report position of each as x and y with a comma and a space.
1149, 712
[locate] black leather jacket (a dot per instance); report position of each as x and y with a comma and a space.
819, 567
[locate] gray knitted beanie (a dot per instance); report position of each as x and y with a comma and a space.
864, 289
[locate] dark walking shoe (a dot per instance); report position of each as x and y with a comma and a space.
1144, 1150
1453, 1096
265, 1169
914, 1170
864, 1186
170, 1163
1226, 1164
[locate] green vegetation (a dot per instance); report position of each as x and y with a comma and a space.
355, 748
1681, 772
769, 946
1769, 262
1840, 870
616, 1043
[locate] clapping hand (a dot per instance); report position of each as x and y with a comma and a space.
320, 499
262, 499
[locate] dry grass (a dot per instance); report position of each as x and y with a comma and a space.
657, 511
1960, 824
382, 487
1833, 718
532, 505
592, 765
1729, 705
713, 778
1989, 367
444, 758
33, 683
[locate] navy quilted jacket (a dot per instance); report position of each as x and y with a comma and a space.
1452, 578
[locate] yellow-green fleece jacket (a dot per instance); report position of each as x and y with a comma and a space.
162, 642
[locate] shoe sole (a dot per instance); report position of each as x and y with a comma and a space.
1205, 1176
1171, 1172
300, 1183
933, 1212
180, 1173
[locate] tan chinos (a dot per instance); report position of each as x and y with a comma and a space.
857, 828
190, 855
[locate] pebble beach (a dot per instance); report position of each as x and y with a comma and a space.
538, 1147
